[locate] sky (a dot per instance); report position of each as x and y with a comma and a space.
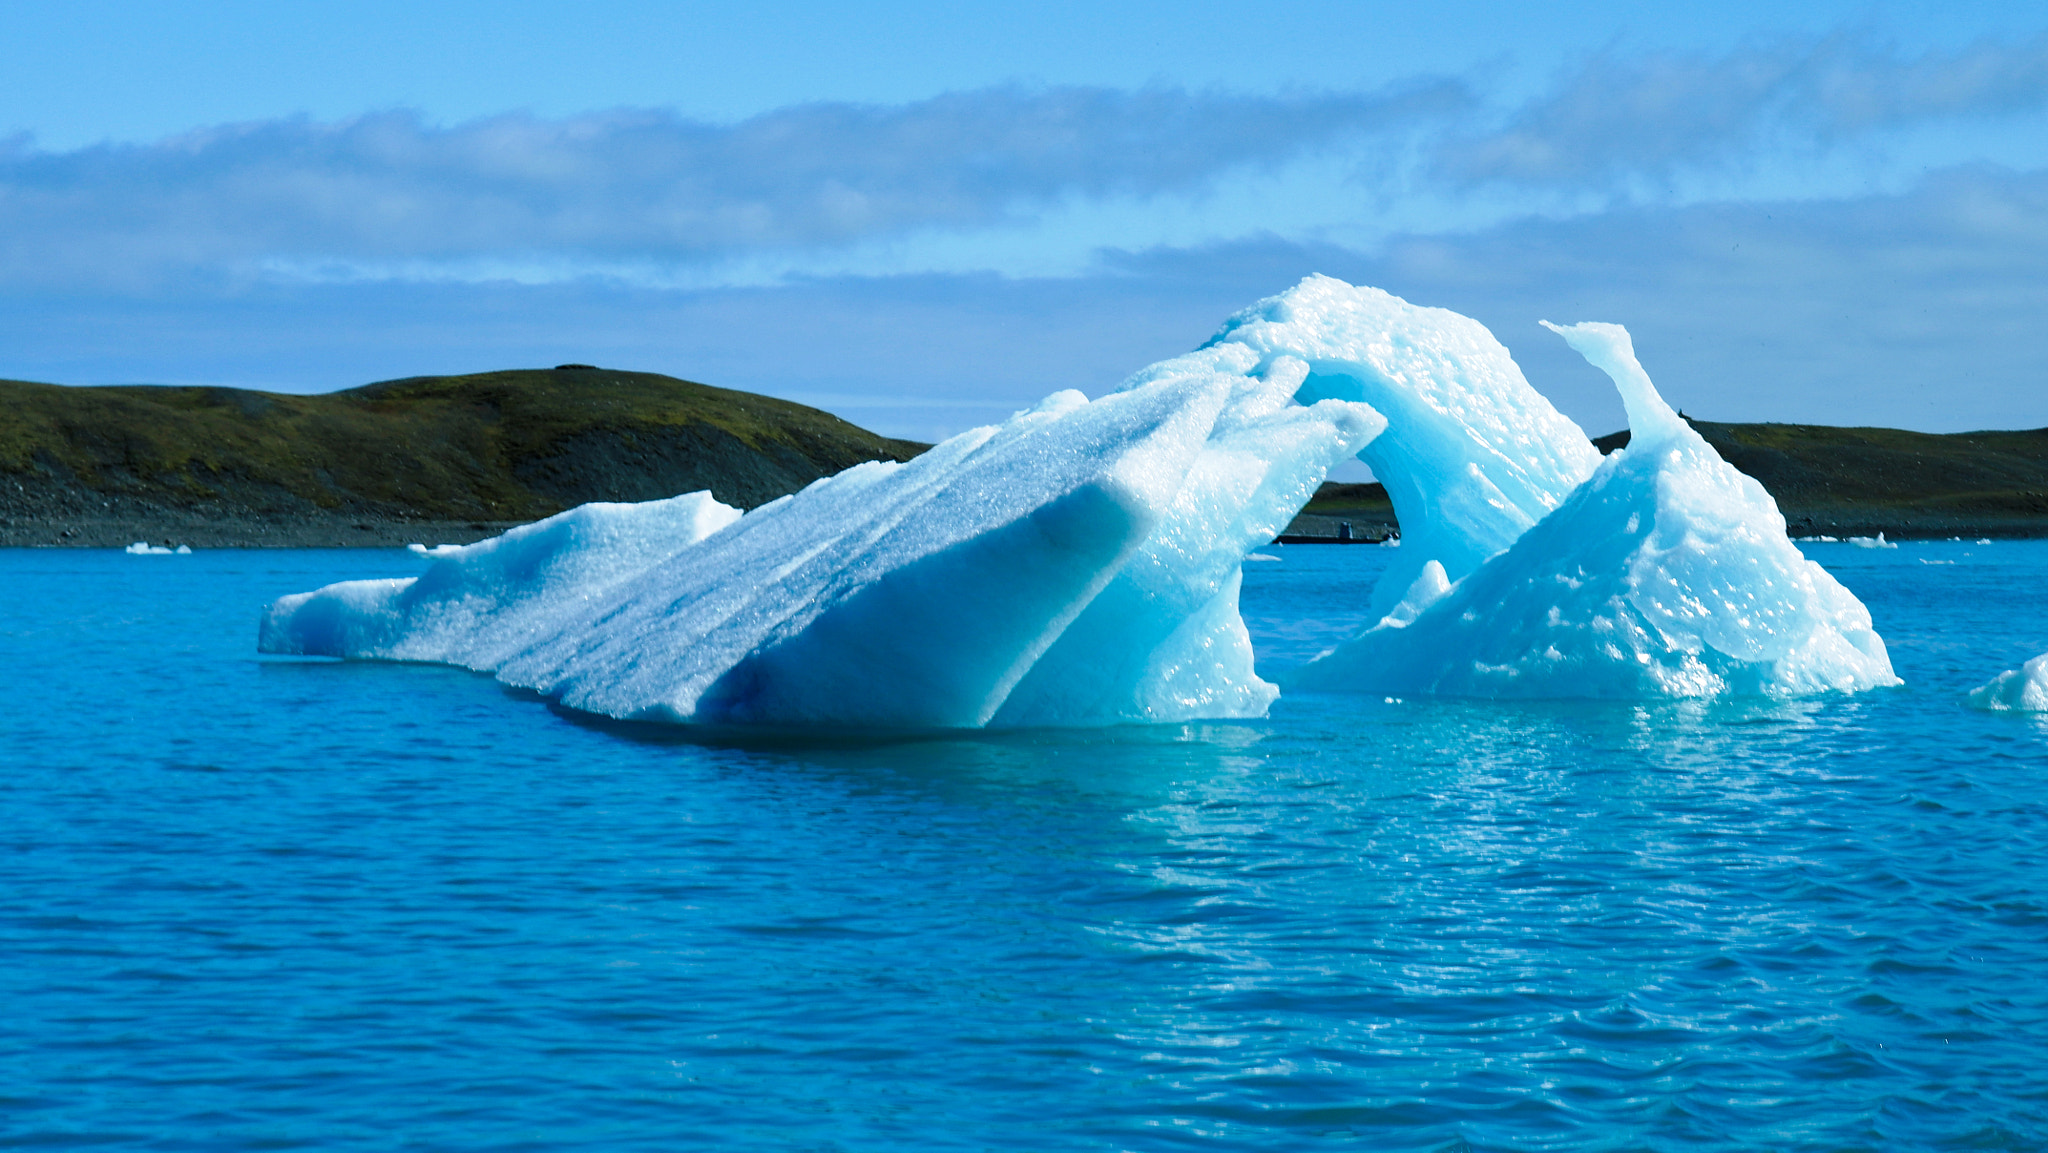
925, 216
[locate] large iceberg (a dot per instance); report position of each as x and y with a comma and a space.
2024, 689
1078, 565
1667, 573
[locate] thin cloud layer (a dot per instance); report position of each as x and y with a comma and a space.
1918, 310
1615, 118
818, 189
641, 185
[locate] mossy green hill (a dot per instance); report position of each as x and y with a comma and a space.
457, 454
448, 458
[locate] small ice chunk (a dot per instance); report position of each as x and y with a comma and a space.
1262, 556
1877, 541
1430, 586
144, 548
2024, 689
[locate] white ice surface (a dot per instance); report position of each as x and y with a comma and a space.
1666, 574
480, 604
1472, 455
2024, 689
1078, 565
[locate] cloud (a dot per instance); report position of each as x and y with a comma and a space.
1919, 310
1614, 118
641, 185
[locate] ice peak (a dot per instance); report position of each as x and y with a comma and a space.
1608, 348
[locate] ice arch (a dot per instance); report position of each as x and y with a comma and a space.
1472, 456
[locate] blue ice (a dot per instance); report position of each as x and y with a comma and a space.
1080, 564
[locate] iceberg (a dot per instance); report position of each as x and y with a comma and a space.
1078, 565
1666, 573
2024, 689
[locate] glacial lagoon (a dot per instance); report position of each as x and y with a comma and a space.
254, 901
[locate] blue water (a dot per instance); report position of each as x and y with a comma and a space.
254, 903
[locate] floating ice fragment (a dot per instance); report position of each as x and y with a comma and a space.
1667, 573
2024, 689
1877, 541
144, 548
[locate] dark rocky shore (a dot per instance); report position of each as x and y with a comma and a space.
453, 459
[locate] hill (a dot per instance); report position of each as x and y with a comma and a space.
434, 458
454, 458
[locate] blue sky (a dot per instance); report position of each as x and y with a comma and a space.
925, 216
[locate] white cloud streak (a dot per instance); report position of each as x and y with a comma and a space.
642, 185
1612, 118
651, 198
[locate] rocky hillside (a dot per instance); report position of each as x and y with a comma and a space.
425, 458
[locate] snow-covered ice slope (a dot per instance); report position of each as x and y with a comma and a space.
922, 595
1472, 455
1668, 573
478, 605
2024, 689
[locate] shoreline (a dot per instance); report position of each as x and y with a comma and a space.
198, 532
235, 529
